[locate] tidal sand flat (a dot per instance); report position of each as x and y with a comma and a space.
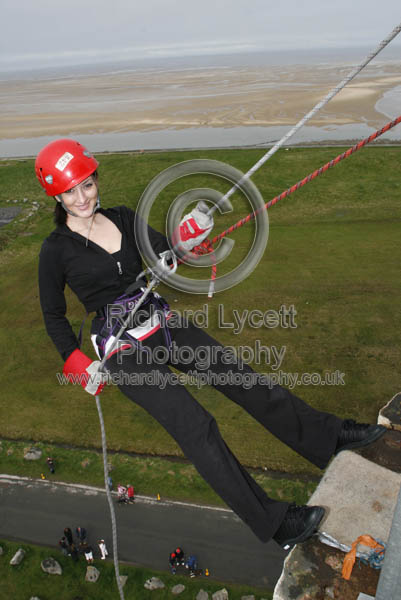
225, 96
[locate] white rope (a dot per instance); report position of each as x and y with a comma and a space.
149, 288
109, 499
306, 118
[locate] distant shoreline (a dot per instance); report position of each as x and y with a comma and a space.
342, 144
198, 107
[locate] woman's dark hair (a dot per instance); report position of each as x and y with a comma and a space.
60, 216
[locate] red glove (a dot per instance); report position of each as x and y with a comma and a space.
79, 368
195, 227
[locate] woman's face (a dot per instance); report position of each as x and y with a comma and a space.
82, 198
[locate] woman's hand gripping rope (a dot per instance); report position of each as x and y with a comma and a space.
195, 227
79, 368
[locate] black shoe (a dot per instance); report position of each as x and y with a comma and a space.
356, 435
299, 524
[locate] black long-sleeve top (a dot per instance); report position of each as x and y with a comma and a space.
94, 275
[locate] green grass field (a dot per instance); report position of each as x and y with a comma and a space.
333, 253
28, 579
171, 479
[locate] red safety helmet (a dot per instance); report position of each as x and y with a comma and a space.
63, 164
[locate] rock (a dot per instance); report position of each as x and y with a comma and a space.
18, 557
32, 453
92, 574
202, 595
329, 592
1, 551
154, 583
34, 598
297, 574
220, 595
335, 563
123, 580
178, 589
51, 566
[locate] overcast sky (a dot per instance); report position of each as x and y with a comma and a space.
37, 33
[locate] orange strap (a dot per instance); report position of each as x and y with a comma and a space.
350, 557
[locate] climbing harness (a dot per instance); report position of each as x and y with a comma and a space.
105, 326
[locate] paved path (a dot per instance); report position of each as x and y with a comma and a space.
37, 512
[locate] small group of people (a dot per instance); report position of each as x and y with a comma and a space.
125, 493
70, 548
177, 558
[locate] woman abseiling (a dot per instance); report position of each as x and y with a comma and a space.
94, 251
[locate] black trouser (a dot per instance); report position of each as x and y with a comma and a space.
311, 433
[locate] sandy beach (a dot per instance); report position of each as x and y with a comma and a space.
219, 97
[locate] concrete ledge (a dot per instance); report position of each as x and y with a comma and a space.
359, 497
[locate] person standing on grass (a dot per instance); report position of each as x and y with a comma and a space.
94, 251
74, 553
64, 546
68, 535
88, 553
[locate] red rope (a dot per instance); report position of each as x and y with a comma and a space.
306, 180
206, 247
